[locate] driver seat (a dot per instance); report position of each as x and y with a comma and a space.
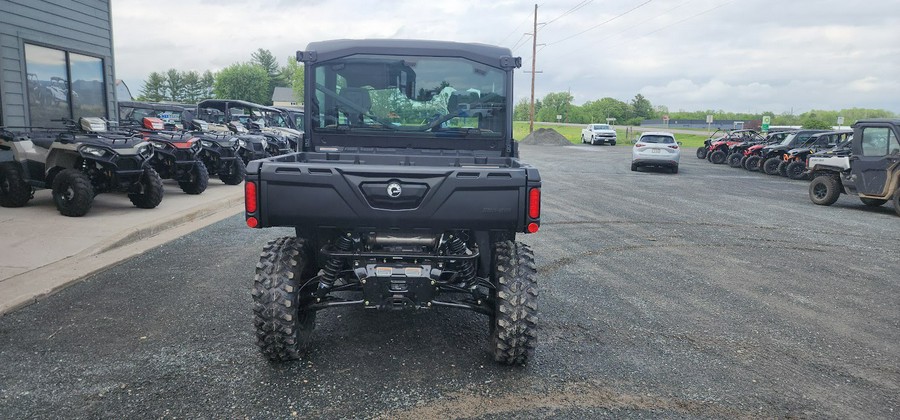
358, 97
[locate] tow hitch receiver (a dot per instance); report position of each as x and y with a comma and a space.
398, 286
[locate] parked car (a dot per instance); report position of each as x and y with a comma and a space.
598, 133
656, 149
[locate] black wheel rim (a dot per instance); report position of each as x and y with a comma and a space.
819, 191
67, 194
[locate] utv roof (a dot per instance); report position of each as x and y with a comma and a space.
828, 133
289, 108
490, 55
151, 105
893, 121
221, 104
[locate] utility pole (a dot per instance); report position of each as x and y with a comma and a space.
533, 63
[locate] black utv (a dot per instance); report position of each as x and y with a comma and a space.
408, 194
873, 173
771, 156
793, 164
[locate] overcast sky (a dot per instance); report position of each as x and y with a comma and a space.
734, 55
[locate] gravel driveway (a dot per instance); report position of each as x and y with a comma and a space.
715, 292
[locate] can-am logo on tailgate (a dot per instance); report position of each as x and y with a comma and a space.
394, 190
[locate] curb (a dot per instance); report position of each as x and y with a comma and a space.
31, 286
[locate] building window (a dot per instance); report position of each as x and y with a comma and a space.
51, 95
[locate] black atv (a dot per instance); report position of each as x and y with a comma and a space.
177, 154
77, 163
219, 152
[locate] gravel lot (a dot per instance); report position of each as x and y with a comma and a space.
712, 293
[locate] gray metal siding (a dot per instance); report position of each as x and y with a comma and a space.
79, 26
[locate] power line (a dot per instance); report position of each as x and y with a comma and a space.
686, 19
602, 23
512, 32
630, 29
570, 11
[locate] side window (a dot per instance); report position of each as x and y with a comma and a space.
875, 141
88, 96
52, 96
893, 143
48, 85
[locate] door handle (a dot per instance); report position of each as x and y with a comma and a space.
854, 157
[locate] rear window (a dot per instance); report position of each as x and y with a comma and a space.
657, 139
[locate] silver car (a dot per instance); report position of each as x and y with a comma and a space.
656, 149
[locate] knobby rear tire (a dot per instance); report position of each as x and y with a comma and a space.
14, 191
151, 190
283, 325
514, 323
73, 193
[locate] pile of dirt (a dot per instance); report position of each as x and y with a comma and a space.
546, 137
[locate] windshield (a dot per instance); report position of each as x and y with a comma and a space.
418, 96
788, 139
137, 114
657, 139
601, 127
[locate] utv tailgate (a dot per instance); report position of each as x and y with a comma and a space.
485, 197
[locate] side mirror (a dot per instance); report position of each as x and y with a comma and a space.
679, 143
633, 141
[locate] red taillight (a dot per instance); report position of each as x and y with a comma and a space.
639, 145
533, 227
250, 197
674, 146
534, 203
252, 222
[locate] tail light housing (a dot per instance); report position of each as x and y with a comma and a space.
674, 146
639, 145
534, 210
534, 203
152, 123
250, 203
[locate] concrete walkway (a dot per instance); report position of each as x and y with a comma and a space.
42, 251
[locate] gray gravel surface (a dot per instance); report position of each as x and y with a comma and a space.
712, 293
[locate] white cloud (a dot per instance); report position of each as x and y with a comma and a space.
690, 54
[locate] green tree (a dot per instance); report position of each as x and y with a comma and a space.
600, 110
207, 81
245, 81
193, 87
642, 107
174, 85
553, 104
294, 73
813, 121
154, 88
267, 61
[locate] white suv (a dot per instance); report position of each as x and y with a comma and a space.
656, 149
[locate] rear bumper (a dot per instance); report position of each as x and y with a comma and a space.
654, 162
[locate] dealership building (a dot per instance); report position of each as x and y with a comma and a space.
56, 61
